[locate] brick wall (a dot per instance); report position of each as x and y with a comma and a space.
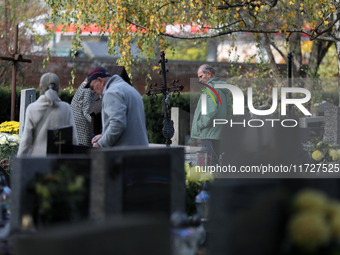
182, 70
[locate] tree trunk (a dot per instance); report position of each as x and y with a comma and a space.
266, 44
337, 46
319, 51
212, 49
295, 43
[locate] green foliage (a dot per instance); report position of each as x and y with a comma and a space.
331, 97
187, 50
154, 114
9, 145
192, 190
5, 99
59, 196
321, 151
329, 65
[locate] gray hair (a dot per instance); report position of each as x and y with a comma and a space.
49, 86
207, 68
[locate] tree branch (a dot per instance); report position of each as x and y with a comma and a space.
252, 30
279, 51
129, 21
327, 29
216, 28
171, 2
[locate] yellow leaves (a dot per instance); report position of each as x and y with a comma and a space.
155, 68
175, 11
244, 8
237, 15
291, 3
284, 28
326, 22
152, 18
256, 8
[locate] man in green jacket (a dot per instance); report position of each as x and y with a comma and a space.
202, 125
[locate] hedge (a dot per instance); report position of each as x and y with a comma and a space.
5, 101
154, 113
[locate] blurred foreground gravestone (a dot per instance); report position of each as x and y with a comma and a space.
137, 179
118, 181
117, 235
25, 170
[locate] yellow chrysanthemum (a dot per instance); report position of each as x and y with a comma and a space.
317, 155
311, 200
338, 151
194, 174
333, 209
199, 174
335, 227
333, 154
186, 167
309, 230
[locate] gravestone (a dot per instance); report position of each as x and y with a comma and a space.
27, 96
181, 121
59, 141
24, 172
249, 216
137, 179
246, 217
332, 125
319, 108
118, 235
310, 122
315, 124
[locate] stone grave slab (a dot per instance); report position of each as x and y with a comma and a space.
137, 179
315, 124
27, 96
24, 171
319, 108
332, 125
119, 235
181, 121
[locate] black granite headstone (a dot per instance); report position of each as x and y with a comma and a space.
137, 179
59, 140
